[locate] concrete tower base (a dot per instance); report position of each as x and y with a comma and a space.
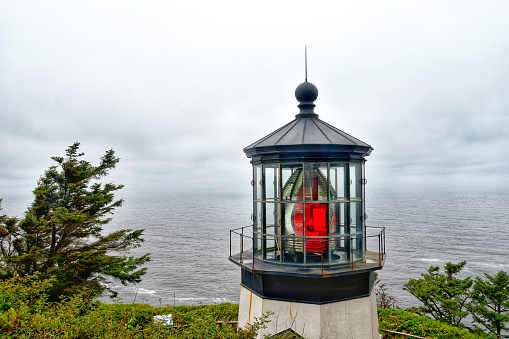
348, 319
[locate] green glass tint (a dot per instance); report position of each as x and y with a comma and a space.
292, 179
337, 175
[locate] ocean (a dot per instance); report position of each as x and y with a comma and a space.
187, 234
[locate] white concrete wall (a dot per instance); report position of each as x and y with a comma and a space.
350, 319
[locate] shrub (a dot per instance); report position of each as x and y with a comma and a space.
400, 320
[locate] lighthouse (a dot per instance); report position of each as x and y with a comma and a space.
304, 260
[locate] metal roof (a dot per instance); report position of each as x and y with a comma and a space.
307, 138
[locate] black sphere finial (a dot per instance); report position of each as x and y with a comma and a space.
306, 93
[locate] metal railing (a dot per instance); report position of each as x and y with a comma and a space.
242, 236
253, 254
381, 241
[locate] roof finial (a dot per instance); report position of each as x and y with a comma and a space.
306, 61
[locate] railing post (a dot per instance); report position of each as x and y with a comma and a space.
383, 230
379, 250
230, 243
321, 251
253, 250
242, 244
365, 239
304, 251
351, 251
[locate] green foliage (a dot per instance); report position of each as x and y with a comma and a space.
400, 320
26, 312
444, 295
60, 234
490, 303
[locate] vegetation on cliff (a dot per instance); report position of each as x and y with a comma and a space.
61, 233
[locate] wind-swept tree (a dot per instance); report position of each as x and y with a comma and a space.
61, 233
7, 228
490, 303
444, 296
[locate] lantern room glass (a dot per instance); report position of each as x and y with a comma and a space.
309, 213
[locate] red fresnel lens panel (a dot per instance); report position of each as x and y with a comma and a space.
316, 220
316, 225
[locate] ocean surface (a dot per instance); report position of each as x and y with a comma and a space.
187, 235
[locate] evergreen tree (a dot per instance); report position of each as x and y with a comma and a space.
61, 233
490, 303
7, 228
444, 295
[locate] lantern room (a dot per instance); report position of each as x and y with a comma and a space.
308, 191
307, 244
309, 213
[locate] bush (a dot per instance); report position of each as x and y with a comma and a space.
26, 312
400, 320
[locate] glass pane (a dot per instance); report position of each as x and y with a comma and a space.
292, 243
292, 249
364, 181
356, 181
257, 245
257, 217
257, 182
352, 182
337, 214
272, 231
356, 217
360, 184
357, 247
315, 181
293, 217
356, 229
292, 179
270, 214
317, 257
270, 246
316, 221
271, 173
337, 181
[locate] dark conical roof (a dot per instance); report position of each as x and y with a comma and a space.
307, 138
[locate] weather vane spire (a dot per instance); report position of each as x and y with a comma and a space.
306, 61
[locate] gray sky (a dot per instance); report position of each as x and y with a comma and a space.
179, 88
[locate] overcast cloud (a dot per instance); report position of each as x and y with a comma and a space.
179, 88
